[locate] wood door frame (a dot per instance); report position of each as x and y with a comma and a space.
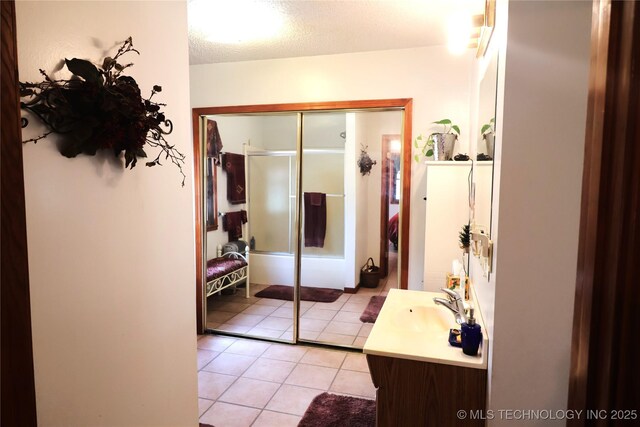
405, 103
385, 198
604, 346
18, 384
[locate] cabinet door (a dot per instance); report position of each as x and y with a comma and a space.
447, 210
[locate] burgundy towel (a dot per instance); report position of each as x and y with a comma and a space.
315, 219
232, 224
214, 142
233, 164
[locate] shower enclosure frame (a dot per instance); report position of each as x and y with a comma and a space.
404, 104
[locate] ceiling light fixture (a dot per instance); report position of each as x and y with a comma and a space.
235, 21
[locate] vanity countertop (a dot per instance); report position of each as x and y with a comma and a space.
411, 326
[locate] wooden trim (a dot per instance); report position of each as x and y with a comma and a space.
352, 290
407, 161
213, 180
604, 347
199, 222
18, 384
373, 104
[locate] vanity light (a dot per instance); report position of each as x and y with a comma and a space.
235, 21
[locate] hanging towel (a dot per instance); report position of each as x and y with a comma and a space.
214, 142
233, 164
315, 219
232, 224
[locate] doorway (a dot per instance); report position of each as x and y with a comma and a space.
301, 150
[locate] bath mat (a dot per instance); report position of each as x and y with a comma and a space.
205, 425
306, 293
370, 314
332, 410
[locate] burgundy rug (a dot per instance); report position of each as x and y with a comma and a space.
370, 314
306, 293
332, 410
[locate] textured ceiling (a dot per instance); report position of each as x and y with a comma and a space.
321, 27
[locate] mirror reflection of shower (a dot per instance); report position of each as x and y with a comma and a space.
335, 227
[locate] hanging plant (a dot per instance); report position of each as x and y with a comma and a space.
100, 108
364, 162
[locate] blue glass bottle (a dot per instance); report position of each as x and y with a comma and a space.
471, 335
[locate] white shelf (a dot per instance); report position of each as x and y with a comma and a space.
447, 162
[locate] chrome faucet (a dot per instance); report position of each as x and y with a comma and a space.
454, 303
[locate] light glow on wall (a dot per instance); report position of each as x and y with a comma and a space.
236, 21
459, 32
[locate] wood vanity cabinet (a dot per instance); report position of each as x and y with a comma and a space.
412, 393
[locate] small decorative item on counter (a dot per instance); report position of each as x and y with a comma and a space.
455, 339
465, 238
471, 335
100, 108
461, 157
364, 162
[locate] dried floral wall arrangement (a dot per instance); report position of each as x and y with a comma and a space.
100, 108
364, 162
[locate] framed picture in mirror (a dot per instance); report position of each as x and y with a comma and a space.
212, 205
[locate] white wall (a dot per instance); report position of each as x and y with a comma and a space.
111, 251
437, 81
536, 206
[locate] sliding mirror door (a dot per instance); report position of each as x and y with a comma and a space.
256, 181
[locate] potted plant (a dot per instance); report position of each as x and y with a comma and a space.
440, 145
488, 134
465, 238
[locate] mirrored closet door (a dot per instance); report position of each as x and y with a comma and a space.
286, 259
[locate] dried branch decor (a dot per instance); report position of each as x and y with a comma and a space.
100, 108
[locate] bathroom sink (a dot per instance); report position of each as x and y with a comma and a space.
432, 320
411, 326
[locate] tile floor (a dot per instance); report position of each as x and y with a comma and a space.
336, 323
244, 382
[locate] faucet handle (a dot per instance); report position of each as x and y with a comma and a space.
452, 295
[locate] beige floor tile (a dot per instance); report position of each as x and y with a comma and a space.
336, 305
262, 310
343, 328
331, 338
359, 299
269, 370
276, 419
233, 307
312, 376
277, 323
292, 399
317, 313
213, 325
286, 312
264, 333
270, 301
239, 329
228, 415
365, 329
348, 316
245, 320
313, 324
203, 405
248, 347
250, 392
219, 316
343, 298
287, 335
356, 362
322, 357
288, 353
355, 383
359, 342
355, 307
214, 342
205, 356
303, 304
212, 385
371, 291
230, 364
306, 334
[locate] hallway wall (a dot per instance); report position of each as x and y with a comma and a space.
111, 257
